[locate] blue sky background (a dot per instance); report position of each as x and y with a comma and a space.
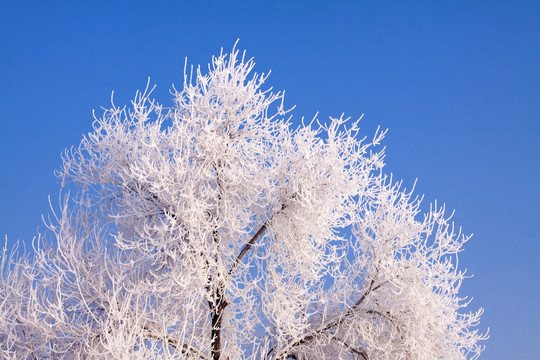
457, 83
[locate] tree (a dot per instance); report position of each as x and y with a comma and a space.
214, 230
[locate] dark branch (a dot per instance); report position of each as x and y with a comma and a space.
253, 240
25, 337
248, 246
332, 323
183, 347
360, 352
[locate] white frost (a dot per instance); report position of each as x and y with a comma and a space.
213, 229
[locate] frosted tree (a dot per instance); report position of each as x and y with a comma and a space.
215, 229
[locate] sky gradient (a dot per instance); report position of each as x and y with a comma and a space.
456, 83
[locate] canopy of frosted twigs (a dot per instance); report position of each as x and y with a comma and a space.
217, 229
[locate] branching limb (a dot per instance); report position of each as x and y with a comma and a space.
331, 324
183, 347
360, 352
26, 339
248, 246
253, 240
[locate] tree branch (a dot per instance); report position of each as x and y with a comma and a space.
331, 324
183, 347
26, 338
360, 352
253, 240
248, 246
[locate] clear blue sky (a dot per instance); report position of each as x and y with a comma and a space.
456, 82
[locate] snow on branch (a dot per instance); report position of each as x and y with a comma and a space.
214, 229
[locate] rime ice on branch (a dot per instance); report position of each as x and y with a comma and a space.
216, 230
